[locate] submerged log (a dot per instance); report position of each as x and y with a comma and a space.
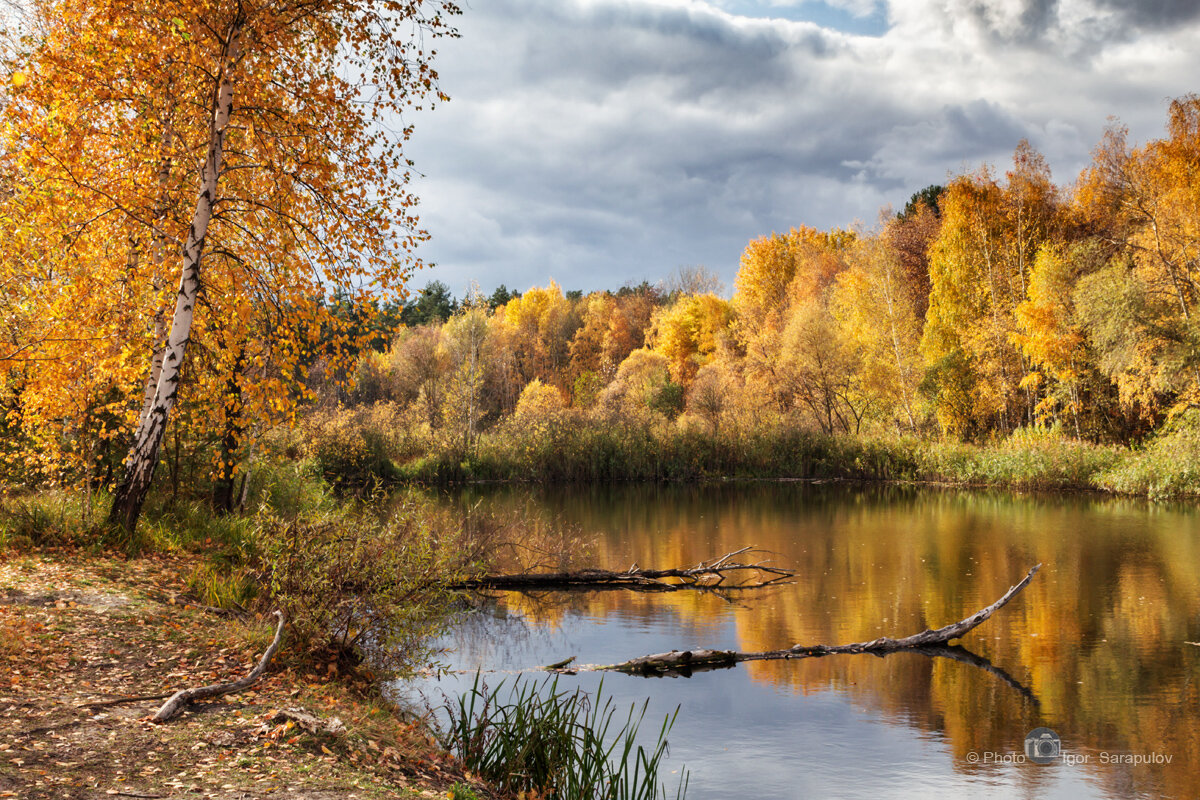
705, 575
688, 661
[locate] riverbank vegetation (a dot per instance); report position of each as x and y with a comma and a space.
999, 330
528, 738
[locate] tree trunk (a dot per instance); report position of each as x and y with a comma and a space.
687, 661
225, 487
707, 575
143, 455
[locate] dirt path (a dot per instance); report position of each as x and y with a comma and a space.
78, 631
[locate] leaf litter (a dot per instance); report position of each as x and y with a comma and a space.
90, 645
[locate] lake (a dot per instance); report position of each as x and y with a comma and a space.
1096, 648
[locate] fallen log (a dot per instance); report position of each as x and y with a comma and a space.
184, 697
679, 662
709, 575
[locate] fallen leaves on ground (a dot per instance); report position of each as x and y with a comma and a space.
90, 646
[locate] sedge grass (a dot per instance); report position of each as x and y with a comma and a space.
556, 744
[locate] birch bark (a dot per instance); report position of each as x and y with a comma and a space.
143, 455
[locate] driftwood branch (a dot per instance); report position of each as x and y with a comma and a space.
182, 698
705, 575
140, 698
687, 661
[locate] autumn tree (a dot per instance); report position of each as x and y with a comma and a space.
979, 273
877, 315
690, 333
685, 281
820, 372
539, 326
641, 383
776, 273
418, 370
589, 349
465, 341
710, 395
253, 140
1145, 203
909, 235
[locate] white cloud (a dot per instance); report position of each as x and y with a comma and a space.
599, 141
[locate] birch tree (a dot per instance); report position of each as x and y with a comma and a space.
248, 155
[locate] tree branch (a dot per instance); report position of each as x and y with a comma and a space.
182, 698
687, 661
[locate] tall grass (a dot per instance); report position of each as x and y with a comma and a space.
559, 745
1167, 467
581, 449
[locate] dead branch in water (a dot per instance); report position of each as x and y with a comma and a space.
184, 697
687, 661
705, 575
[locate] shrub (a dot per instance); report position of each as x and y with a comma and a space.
48, 518
1168, 467
350, 447
359, 587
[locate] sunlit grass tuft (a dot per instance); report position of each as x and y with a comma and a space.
551, 743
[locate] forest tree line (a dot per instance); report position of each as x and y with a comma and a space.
990, 304
993, 304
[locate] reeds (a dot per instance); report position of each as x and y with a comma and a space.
556, 744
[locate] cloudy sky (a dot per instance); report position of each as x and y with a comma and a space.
599, 142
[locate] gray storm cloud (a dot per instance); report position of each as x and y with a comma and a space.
603, 141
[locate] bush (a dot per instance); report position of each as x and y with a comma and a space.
360, 587
1168, 467
49, 518
351, 447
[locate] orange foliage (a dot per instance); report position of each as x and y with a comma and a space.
104, 150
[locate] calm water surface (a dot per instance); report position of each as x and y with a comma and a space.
1096, 648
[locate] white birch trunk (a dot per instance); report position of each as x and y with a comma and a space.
143, 455
158, 257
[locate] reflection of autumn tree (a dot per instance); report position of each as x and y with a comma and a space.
1104, 655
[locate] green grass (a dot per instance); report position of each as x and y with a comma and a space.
559, 745
1167, 467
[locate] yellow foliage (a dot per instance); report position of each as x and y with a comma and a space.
98, 163
536, 327
690, 333
539, 402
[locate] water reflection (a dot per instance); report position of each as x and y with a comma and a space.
1099, 637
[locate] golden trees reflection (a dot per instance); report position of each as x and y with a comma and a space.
1098, 637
